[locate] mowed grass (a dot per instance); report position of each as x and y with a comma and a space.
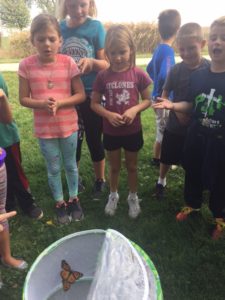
190, 264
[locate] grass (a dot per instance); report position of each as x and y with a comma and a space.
190, 264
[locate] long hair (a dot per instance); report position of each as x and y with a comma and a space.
120, 35
61, 11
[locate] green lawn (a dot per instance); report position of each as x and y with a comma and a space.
190, 264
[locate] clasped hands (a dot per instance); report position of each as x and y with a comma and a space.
52, 105
126, 118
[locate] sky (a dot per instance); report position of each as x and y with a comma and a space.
200, 11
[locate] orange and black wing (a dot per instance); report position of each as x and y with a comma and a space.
68, 276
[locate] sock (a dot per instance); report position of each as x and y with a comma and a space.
114, 194
132, 195
162, 181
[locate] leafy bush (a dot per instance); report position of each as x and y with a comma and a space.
145, 35
20, 45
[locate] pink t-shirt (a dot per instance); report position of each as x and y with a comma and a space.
121, 90
59, 74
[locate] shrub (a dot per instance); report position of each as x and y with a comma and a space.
20, 45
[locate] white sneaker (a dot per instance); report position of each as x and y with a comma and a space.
111, 205
134, 207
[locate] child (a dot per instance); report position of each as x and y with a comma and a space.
45, 82
5, 253
83, 40
17, 183
190, 42
163, 59
121, 85
204, 159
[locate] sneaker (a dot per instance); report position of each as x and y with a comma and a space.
98, 189
81, 187
74, 209
159, 191
185, 212
61, 213
219, 230
111, 205
35, 212
155, 162
134, 206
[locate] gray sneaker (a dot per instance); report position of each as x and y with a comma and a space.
134, 206
75, 210
61, 214
111, 205
35, 212
98, 189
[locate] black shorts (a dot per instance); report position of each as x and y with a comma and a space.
172, 148
132, 143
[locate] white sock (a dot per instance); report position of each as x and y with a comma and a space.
132, 195
114, 194
162, 181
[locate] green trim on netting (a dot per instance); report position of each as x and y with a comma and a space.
153, 269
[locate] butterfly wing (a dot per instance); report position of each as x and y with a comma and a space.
68, 276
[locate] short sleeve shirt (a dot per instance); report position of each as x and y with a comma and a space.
61, 72
121, 91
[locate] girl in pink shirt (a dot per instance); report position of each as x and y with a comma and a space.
121, 84
47, 81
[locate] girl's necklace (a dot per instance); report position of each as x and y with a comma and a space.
50, 82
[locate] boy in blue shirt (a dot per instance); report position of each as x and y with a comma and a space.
162, 60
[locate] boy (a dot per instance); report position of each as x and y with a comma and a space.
17, 183
190, 43
204, 159
163, 59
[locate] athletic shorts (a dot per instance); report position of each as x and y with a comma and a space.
172, 148
131, 143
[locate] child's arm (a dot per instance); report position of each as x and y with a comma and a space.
5, 111
130, 114
114, 118
26, 100
182, 106
87, 65
77, 97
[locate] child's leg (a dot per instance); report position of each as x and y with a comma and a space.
68, 148
114, 158
131, 165
5, 251
51, 151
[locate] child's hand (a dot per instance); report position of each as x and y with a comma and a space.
115, 119
2, 94
85, 65
52, 106
129, 115
163, 103
6, 216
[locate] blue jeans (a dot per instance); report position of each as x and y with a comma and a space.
58, 152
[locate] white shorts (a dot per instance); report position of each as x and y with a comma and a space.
161, 120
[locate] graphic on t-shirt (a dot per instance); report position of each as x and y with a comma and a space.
123, 97
209, 104
77, 48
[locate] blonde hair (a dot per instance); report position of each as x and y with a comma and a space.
190, 30
62, 12
218, 22
119, 35
42, 22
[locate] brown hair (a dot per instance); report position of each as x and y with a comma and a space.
62, 12
190, 30
218, 22
169, 22
41, 22
119, 35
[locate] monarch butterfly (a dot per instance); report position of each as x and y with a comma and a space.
68, 276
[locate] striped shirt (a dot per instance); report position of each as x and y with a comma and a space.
59, 74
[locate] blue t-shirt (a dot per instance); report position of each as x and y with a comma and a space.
83, 41
159, 66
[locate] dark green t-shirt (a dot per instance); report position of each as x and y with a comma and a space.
8, 132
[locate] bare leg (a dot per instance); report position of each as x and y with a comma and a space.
5, 251
157, 150
163, 170
114, 158
131, 165
99, 169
